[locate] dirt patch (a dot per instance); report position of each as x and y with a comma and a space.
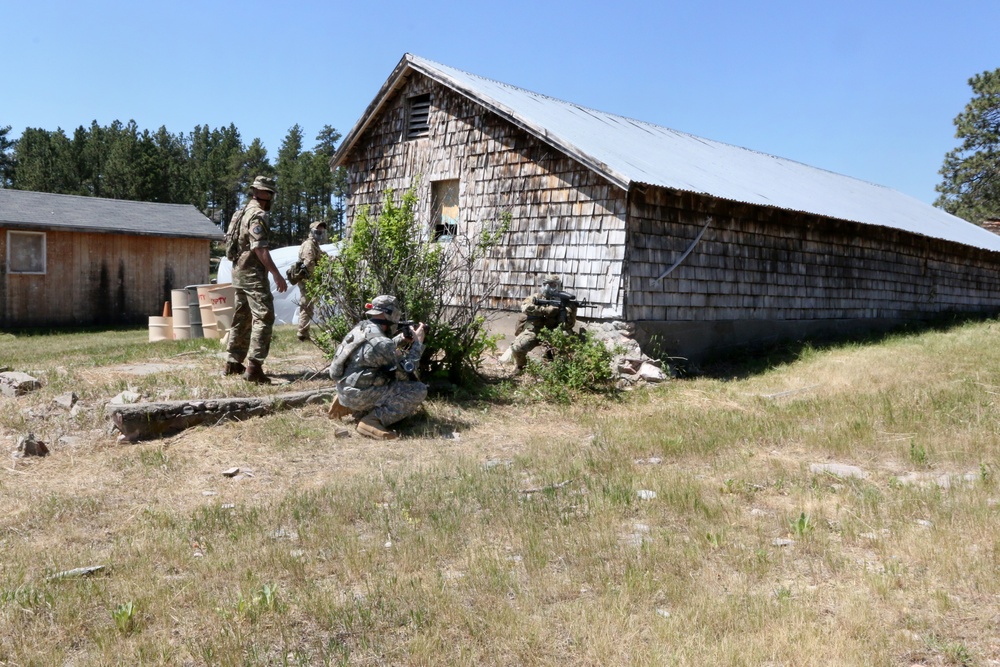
148, 368
184, 471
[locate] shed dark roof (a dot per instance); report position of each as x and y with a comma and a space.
43, 211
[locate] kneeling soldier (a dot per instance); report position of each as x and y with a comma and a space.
374, 375
538, 313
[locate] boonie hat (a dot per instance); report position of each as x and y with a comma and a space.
316, 224
552, 279
264, 183
384, 306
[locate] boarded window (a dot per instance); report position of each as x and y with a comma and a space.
444, 209
418, 116
25, 252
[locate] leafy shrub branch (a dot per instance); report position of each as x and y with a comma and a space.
443, 284
575, 362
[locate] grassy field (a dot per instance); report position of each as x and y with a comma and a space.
838, 508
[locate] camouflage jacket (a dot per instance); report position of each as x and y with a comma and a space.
377, 361
309, 253
540, 316
254, 233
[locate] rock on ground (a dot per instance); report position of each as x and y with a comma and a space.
14, 383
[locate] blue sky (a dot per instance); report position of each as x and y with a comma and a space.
867, 89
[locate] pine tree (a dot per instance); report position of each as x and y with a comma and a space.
44, 162
319, 180
971, 185
288, 215
6, 158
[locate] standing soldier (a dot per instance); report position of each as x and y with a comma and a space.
374, 376
536, 316
309, 253
253, 318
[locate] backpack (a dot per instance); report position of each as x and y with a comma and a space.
233, 236
351, 342
296, 273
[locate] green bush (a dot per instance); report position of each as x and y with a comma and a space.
439, 283
574, 362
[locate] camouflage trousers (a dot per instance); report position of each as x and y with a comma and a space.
305, 316
525, 342
390, 403
253, 318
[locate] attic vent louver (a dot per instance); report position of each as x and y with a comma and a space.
417, 122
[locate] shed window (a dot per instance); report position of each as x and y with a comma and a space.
25, 252
444, 209
417, 116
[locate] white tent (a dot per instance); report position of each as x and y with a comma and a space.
286, 306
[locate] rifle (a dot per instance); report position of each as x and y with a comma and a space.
405, 327
405, 366
563, 300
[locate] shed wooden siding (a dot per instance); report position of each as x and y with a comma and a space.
100, 279
566, 218
756, 263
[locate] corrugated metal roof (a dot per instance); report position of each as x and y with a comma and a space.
629, 151
25, 209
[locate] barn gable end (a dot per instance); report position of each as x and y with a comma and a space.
565, 218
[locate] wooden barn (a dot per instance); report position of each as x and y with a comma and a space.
71, 260
703, 245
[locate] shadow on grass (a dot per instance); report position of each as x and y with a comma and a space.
755, 360
75, 330
424, 425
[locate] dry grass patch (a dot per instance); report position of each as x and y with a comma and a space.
512, 533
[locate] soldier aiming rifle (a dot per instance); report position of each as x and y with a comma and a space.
549, 309
376, 375
564, 301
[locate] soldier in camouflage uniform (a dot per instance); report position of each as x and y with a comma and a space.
536, 316
374, 375
309, 253
253, 318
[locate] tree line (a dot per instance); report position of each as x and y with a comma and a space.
210, 168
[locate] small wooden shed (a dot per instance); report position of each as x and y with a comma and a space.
69, 260
703, 245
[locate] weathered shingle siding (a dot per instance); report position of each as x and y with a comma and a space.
756, 263
566, 218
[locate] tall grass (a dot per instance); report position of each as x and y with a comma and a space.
526, 540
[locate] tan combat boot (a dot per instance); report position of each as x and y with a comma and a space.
255, 373
371, 427
338, 410
234, 368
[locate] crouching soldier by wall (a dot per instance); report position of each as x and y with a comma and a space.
374, 375
538, 312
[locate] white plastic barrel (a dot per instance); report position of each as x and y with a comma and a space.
160, 328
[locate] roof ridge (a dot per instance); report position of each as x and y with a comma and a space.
628, 151
639, 121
